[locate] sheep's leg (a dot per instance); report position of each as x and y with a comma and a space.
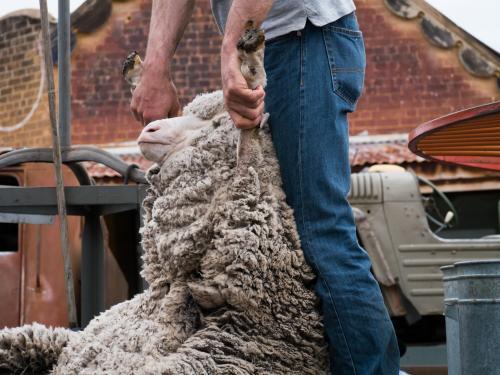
31, 349
251, 53
210, 351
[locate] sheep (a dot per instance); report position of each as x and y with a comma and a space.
229, 289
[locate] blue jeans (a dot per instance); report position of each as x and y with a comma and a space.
315, 77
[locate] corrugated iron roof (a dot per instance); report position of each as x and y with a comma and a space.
381, 153
127, 151
101, 171
364, 150
381, 149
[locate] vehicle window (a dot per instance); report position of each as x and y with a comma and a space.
478, 212
9, 232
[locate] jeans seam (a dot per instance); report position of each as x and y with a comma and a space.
334, 70
331, 61
345, 31
305, 223
301, 128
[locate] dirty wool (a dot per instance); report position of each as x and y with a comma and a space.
229, 289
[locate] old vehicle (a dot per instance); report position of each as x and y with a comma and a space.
407, 246
31, 265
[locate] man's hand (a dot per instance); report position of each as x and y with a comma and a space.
154, 98
245, 106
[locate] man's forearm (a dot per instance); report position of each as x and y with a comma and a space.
245, 105
169, 19
242, 11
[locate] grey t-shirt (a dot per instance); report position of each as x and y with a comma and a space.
290, 15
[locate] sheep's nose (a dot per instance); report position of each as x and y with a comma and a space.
151, 128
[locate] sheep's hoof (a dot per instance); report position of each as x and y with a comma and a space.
252, 39
132, 68
129, 63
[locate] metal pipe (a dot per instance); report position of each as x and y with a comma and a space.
64, 72
56, 148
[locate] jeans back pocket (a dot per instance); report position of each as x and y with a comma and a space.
346, 56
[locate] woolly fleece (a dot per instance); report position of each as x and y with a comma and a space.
229, 289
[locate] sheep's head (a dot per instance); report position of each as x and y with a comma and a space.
162, 138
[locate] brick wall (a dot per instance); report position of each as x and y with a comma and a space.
408, 81
100, 96
20, 79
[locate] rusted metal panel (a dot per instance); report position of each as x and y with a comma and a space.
10, 290
10, 274
31, 279
44, 294
32, 285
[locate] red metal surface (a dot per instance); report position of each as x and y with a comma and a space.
44, 293
10, 278
32, 285
469, 137
10, 290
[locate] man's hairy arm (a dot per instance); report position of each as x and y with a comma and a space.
244, 105
156, 97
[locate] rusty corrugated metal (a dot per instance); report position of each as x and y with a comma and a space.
364, 150
381, 153
100, 171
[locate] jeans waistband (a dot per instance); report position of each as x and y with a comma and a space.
349, 21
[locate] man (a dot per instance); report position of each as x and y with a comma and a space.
315, 64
